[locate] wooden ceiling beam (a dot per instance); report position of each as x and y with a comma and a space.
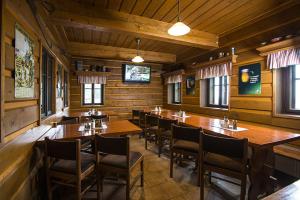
108, 52
76, 15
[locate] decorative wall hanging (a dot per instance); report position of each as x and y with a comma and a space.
24, 65
190, 85
250, 79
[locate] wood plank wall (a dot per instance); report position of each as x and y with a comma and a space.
252, 108
21, 116
118, 96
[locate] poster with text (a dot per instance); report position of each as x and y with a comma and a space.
250, 79
24, 65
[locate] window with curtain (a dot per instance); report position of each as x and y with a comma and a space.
291, 89
218, 92
46, 84
92, 94
176, 93
66, 89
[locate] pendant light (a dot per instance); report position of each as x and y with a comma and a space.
179, 28
137, 58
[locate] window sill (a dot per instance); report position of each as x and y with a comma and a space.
175, 104
288, 116
215, 108
86, 106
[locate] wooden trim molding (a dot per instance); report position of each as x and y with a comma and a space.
19, 104
7, 73
279, 46
218, 61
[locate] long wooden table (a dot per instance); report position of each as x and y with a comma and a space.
261, 139
290, 192
76, 131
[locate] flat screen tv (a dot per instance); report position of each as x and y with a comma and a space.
136, 73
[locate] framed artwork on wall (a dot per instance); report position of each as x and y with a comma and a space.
250, 79
24, 64
190, 85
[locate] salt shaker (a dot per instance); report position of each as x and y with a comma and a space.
234, 124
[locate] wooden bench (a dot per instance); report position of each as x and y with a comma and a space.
288, 150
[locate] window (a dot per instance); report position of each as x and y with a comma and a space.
92, 94
218, 92
291, 89
46, 84
176, 93
66, 89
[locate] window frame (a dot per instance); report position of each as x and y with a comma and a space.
174, 91
47, 84
221, 92
288, 90
93, 95
66, 89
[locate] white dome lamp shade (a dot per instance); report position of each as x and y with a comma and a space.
179, 28
137, 58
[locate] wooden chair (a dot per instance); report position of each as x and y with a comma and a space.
226, 156
113, 156
135, 118
164, 132
151, 128
69, 120
142, 121
185, 141
67, 166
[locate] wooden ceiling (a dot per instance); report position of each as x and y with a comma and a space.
232, 22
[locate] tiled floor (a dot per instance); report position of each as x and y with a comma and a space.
158, 185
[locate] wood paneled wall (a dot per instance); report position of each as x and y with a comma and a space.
118, 96
252, 108
21, 121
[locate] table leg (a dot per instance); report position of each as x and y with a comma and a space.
261, 168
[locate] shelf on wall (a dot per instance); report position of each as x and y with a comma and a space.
279, 46
92, 73
225, 59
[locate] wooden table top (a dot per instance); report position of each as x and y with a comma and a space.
88, 114
76, 131
290, 192
257, 135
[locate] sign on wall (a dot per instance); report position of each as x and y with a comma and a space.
24, 65
250, 79
190, 85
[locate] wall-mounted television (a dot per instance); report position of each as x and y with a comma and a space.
136, 73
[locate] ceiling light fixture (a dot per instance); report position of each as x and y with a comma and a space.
137, 58
179, 28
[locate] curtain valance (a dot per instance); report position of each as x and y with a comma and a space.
217, 70
283, 58
173, 77
89, 79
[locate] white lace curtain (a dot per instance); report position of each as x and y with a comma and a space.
222, 69
173, 77
83, 79
283, 58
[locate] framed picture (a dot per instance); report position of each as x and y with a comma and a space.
24, 65
190, 85
250, 79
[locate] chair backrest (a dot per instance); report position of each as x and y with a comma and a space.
135, 114
151, 120
230, 147
166, 124
69, 120
66, 150
186, 133
112, 145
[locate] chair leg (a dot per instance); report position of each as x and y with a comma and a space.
201, 183
243, 187
198, 172
171, 164
159, 146
142, 173
49, 189
209, 177
128, 186
79, 190
146, 145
